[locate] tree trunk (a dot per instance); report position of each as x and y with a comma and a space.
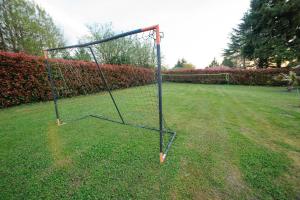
2, 41
278, 63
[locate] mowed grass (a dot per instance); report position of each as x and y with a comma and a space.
233, 142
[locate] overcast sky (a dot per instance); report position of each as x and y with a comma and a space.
196, 30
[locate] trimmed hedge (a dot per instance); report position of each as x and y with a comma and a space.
236, 76
23, 78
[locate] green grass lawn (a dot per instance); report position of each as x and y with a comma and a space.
233, 142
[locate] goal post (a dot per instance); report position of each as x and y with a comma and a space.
62, 80
220, 78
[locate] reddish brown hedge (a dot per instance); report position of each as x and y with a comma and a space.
23, 78
236, 76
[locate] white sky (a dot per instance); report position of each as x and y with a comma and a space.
197, 30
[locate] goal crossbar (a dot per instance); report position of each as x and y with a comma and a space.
161, 129
140, 30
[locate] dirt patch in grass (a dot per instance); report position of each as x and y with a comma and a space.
197, 189
56, 147
236, 184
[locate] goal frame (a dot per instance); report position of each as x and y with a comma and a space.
227, 75
162, 151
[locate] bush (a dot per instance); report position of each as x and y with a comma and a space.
23, 78
236, 76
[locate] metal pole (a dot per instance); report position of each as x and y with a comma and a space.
53, 91
159, 81
106, 85
106, 39
228, 77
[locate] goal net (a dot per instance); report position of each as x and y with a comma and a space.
217, 78
119, 81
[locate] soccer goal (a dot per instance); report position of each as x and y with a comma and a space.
213, 78
126, 91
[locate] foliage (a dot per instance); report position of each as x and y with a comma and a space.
269, 33
291, 79
123, 51
82, 54
236, 76
24, 26
227, 62
23, 78
214, 63
181, 64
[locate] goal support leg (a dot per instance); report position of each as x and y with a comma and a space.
53, 91
106, 85
159, 82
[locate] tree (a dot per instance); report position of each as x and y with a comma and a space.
24, 26
183, 64
291, 79
214, 63
269, 33
127, 50
227, 62
82, 54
